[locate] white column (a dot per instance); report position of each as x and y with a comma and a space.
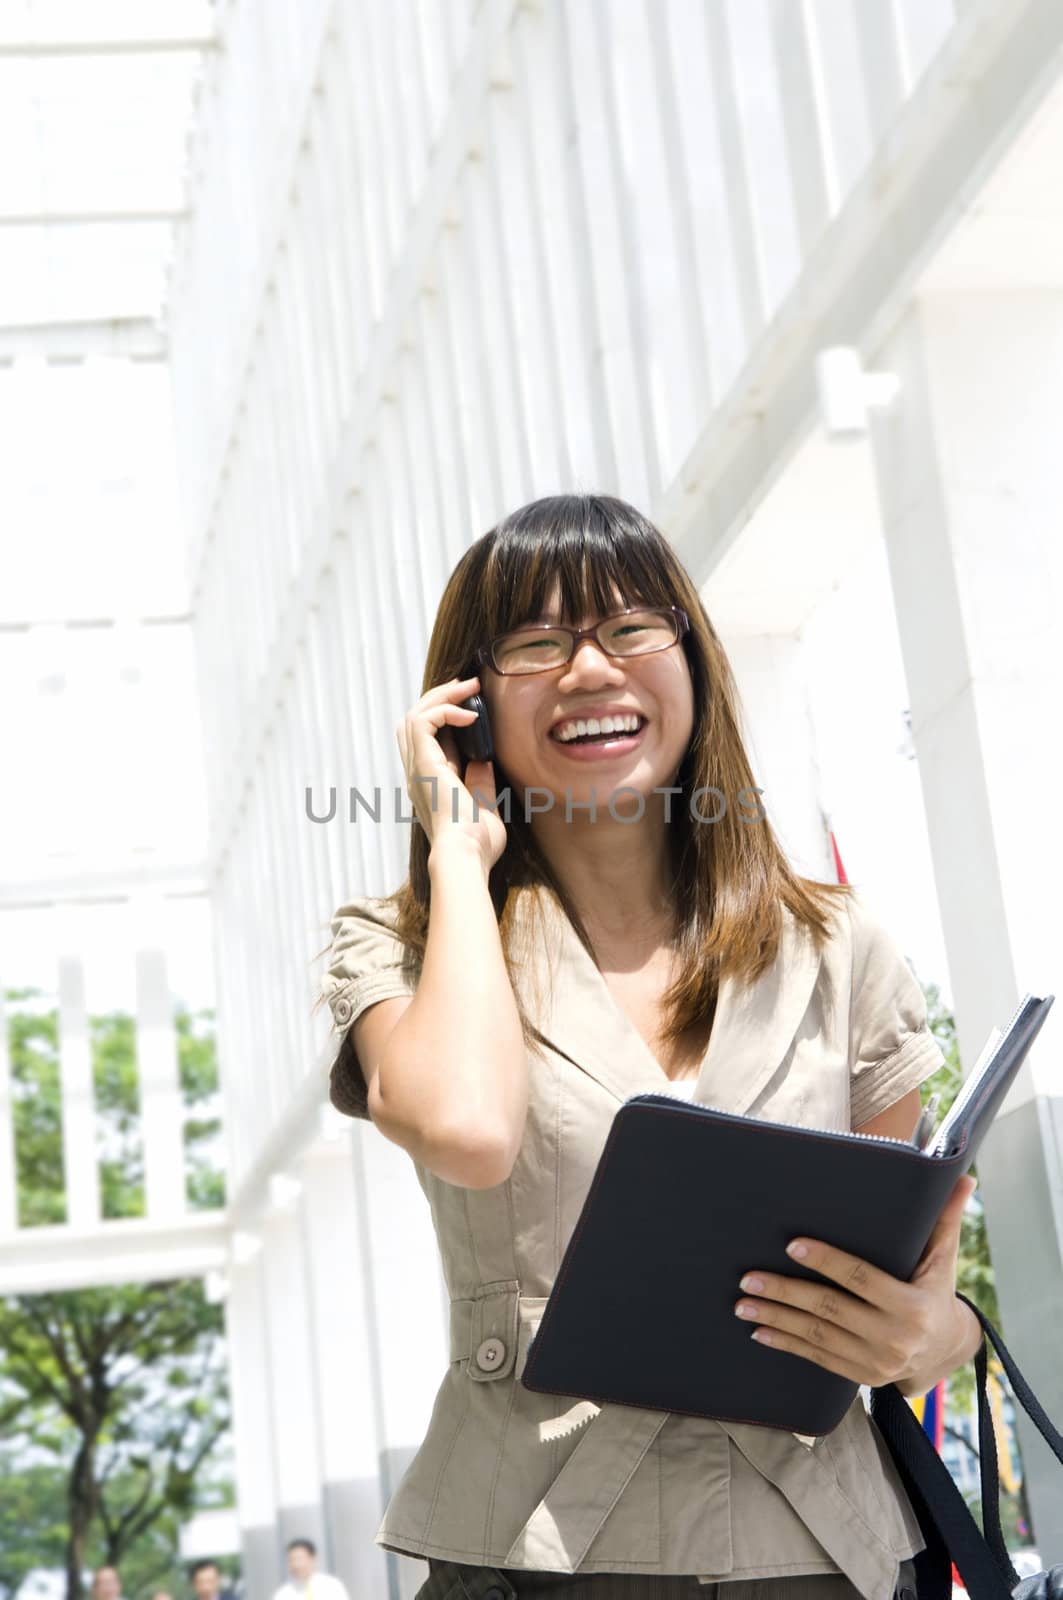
410, 1325
249, 1380
292, 1376
341, 1307
780, 739
80, 1169
161, 1110
970, 477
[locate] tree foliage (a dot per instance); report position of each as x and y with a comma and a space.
114, 1411
974, 1276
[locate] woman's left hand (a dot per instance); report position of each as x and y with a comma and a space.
871, 1329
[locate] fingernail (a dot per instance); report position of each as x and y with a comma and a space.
798, 1250
752, 1284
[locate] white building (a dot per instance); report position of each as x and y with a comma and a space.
787, 274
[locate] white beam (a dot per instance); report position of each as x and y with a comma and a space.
139, 338
999, 62
37, 49
24, 624
125, 1250
49, 219
87, 887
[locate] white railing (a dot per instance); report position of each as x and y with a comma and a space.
89, 1247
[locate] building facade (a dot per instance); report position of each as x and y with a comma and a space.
785, 275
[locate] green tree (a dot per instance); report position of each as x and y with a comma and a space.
974, 1276
114, 1409
33, 1043
33, 1040
197, 1059
32, 1519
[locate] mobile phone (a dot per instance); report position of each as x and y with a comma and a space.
474, 740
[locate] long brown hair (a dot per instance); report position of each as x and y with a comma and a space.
730, 878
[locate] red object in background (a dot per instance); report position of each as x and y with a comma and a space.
957, 1580
934, 1415
839, 869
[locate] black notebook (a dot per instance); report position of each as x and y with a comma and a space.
686, 1199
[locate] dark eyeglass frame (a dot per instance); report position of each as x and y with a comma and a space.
484, 656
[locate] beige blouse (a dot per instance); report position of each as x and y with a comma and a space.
510, 1478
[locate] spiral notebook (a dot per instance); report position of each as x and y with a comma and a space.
685, 1199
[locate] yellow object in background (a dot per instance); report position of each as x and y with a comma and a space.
1005, 1463
1009, 1477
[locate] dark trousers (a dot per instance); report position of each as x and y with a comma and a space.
452, 1580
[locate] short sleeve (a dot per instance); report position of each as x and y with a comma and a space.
367, 962
891, 1047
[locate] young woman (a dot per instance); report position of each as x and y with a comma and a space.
632, 923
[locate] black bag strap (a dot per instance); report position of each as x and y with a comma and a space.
949, 1528
987, 1449
950, 1531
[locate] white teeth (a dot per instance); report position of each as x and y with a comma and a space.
568, 731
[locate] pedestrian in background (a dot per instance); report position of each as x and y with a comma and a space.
305, 1582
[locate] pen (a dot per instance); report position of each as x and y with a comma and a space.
960, 1103
925, 1126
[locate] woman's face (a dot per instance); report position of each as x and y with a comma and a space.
527, 712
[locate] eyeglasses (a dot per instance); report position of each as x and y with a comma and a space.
541, 646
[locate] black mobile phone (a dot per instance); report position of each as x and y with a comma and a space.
474, 739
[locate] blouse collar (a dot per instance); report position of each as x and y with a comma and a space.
752, 1031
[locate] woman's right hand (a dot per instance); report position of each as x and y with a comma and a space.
429, 750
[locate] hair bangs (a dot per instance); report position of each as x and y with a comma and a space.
590, 549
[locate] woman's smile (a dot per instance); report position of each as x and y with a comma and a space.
605, 747
625, 719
